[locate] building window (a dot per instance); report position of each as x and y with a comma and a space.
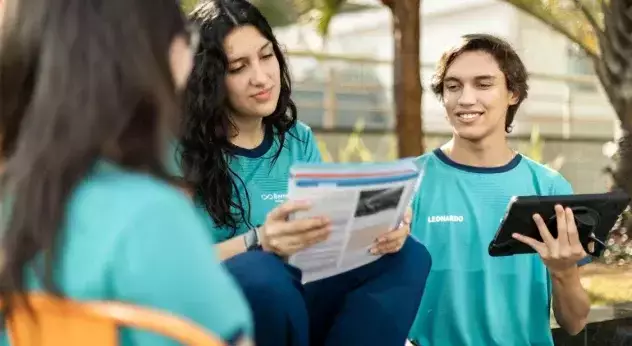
579, 63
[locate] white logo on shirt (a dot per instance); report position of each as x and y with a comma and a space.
445, 218
277, 197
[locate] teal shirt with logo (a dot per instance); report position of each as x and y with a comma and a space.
130, 237
471, 298
264, 179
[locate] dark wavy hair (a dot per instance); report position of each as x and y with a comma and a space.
205, 142
508, 61
81, 80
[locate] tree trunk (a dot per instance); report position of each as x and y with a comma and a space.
614, 70
407, 76
623, 172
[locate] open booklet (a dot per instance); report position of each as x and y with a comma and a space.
363, 201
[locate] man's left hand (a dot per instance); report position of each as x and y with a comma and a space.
558, 254
394, 240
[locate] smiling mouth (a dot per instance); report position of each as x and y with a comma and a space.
469, 116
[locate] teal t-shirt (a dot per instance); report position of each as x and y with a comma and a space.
265, 179
471, 298
130, 237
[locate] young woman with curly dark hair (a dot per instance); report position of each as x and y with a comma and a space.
240, 137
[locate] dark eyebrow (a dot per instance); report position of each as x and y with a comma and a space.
451, 79
242, 59
268, 44
477, 78
485, 78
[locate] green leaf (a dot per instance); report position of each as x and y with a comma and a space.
321, 12
277, 12
569, 18
188, 5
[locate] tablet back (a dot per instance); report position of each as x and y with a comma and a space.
594, 214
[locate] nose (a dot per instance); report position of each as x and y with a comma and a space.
467, 96
258, 75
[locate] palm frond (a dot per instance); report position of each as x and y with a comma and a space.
567, 18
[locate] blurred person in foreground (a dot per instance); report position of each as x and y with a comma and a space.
473, 299
1, 129
240, 137
91, 214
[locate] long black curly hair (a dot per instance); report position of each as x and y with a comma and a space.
204, 145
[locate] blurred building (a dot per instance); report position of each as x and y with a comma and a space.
565, 101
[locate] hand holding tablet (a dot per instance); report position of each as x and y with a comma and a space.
558, 253
558, 226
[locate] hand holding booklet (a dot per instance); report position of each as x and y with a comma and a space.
363, 201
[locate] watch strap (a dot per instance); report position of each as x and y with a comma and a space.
251, 239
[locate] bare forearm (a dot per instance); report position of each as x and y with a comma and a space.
571, 304
231, 247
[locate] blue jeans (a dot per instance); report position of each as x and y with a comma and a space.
372, 305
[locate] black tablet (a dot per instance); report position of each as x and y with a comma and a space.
595, 215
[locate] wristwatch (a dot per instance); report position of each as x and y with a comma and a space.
251, 239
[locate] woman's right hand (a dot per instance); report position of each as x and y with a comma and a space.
285, 237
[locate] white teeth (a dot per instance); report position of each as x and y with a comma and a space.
468, 115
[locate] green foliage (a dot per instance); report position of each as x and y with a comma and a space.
277, 12
535, 150
188, 5
571, 18
321, 12
287, 12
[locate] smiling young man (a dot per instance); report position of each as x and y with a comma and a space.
473, 299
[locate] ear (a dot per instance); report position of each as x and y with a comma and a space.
513, 98
181, 61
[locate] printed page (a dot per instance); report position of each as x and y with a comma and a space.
363, 203
378, 211
322, 259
